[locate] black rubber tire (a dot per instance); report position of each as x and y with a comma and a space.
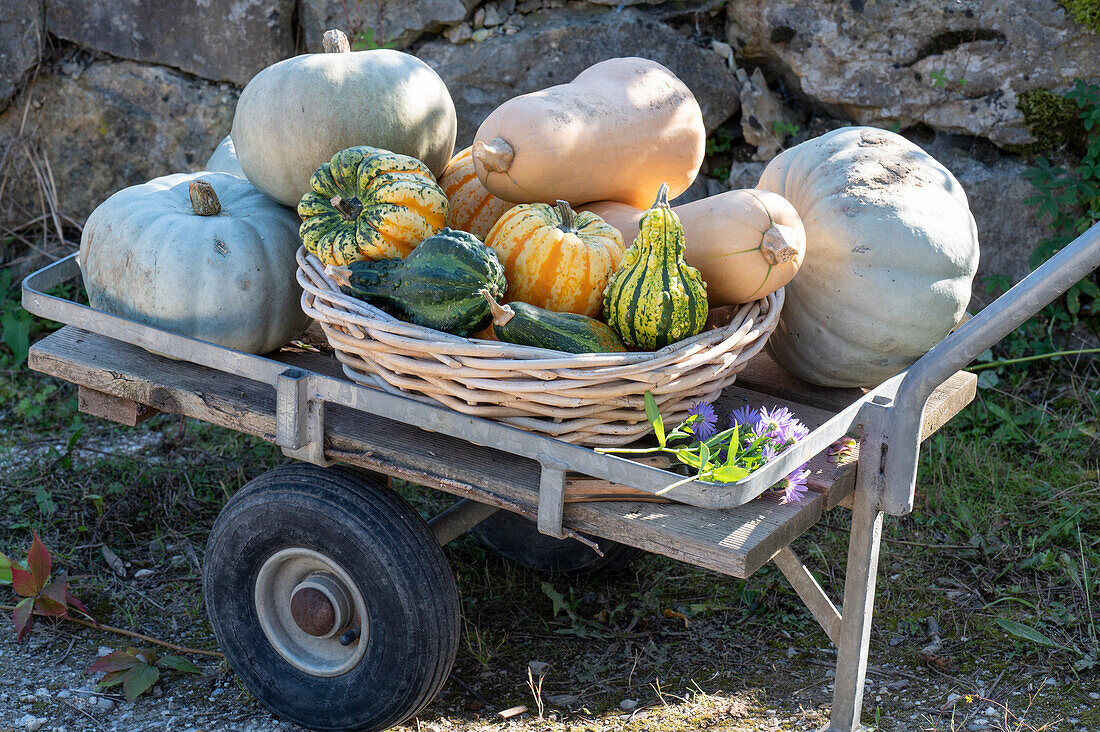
517, 539
385, 546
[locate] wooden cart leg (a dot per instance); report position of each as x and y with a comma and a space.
859, 603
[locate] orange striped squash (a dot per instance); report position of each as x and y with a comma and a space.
473, 208
554, 258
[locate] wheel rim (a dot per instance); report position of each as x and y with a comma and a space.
307, 605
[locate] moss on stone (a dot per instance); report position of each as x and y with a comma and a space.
1085, 12
1053, 120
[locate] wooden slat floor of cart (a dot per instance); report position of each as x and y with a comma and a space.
734, 541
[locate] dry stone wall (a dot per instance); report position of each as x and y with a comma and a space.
96, 95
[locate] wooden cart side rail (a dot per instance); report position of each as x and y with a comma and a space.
734, 541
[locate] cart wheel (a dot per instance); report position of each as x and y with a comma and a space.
517, 539
331, 599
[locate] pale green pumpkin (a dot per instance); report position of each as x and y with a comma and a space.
656, 297
296, 114
202, 254
224, 159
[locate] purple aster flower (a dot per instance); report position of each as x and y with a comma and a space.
745, 415
772, 421
704, 427
794, 485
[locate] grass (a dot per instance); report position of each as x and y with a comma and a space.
1003, 553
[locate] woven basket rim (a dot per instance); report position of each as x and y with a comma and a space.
357, 315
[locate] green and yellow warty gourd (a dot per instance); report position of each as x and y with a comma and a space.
891, 252
202, 254
656, 297
370, 204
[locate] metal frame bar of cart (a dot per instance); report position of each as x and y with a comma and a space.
889, 416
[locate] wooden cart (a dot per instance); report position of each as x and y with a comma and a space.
332, 599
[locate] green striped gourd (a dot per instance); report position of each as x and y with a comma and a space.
656, 297
527, 325
437, 286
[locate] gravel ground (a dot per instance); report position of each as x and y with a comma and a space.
43, 686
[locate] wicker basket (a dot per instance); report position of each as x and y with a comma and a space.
590, 399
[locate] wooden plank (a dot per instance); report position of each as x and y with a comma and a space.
764, 376
751, 534
735, 541
949, 399
117, 409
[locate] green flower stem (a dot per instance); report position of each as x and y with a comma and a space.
1053, 354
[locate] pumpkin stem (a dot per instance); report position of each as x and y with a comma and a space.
340, 275
662, 197
496, 154
204, 201
349, 208
501, 313
779, 244
568, 217
334, 41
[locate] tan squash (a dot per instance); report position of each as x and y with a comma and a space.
473, 208
746, 244
614, 133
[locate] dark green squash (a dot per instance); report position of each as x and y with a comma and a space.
437, 286
527, 325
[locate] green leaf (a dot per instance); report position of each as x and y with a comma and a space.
704, 457
688, 457
178, 663
139, 680
5, 569
555, 597
1024, 631
45, 501
988, 379
112, 678
17, 335
729, 473
653, 414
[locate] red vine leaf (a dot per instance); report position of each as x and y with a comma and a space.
114, 661
52, 598
23, 618
70, 600
38, 562
23, 582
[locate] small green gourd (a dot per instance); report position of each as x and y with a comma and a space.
437, 286
656, 297
527, 325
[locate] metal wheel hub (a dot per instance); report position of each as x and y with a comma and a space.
304, 602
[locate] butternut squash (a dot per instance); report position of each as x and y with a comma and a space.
746, 244
615, 133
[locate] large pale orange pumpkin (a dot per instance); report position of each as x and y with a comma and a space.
473, 208
555, 258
